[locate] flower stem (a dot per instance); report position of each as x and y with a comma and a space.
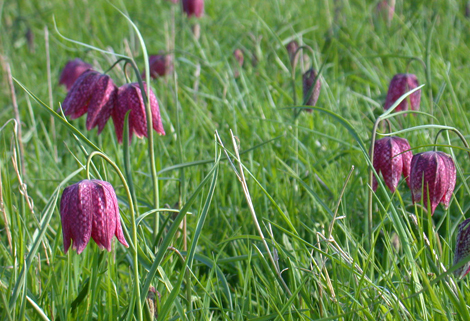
134, 227
462, 138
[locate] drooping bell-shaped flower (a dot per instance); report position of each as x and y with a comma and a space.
239, 57
292, 47
310, 80
130, 98
386, 8
400, 85
94, 93
89, 208
72, 70
462, 248
159, 65
437, 171
392, 157
193, 8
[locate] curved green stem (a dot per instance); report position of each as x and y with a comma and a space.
133, 222
371, 178
462, 138
148, 112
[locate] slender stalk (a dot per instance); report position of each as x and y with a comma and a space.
49, 86
462, 138
369, 233
134, 227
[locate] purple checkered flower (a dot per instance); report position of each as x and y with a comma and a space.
159, 65
130, 98
400, 85
309, 80
193, 8
89, 208
462, 248
392, 157
94, 93
292, 49
437, 171
72, 70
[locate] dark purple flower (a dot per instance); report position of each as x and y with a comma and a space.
462, 248
391, 160
159, 65
400, 85
437, 171
72, 70
193, 7
94, 93
130, 98
89, 208
309, 80
292, 49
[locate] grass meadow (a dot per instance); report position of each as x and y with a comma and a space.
262, 208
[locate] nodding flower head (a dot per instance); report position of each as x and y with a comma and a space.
462, 248
193, 8
292, 49
89, 208
130, 98
392, 157
159, 66
94, 93
386, 8
400, 85
311, 79
72, 70
437, 171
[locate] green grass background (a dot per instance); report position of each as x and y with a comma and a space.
295, 170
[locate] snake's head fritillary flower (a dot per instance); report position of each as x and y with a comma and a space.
310, 80
400, 85
392, 157
386, 8
159, 65
437, 171
130, 98
193, 8
94, 93
89, 208
462, 248
239, 57
72, 70
292, 49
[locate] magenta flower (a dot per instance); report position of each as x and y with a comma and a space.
159, 65
309, 80
193, 8
392, 157
437, 171
72, 70
94, 93
89, 208
462, 248
130, 98
401, 84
